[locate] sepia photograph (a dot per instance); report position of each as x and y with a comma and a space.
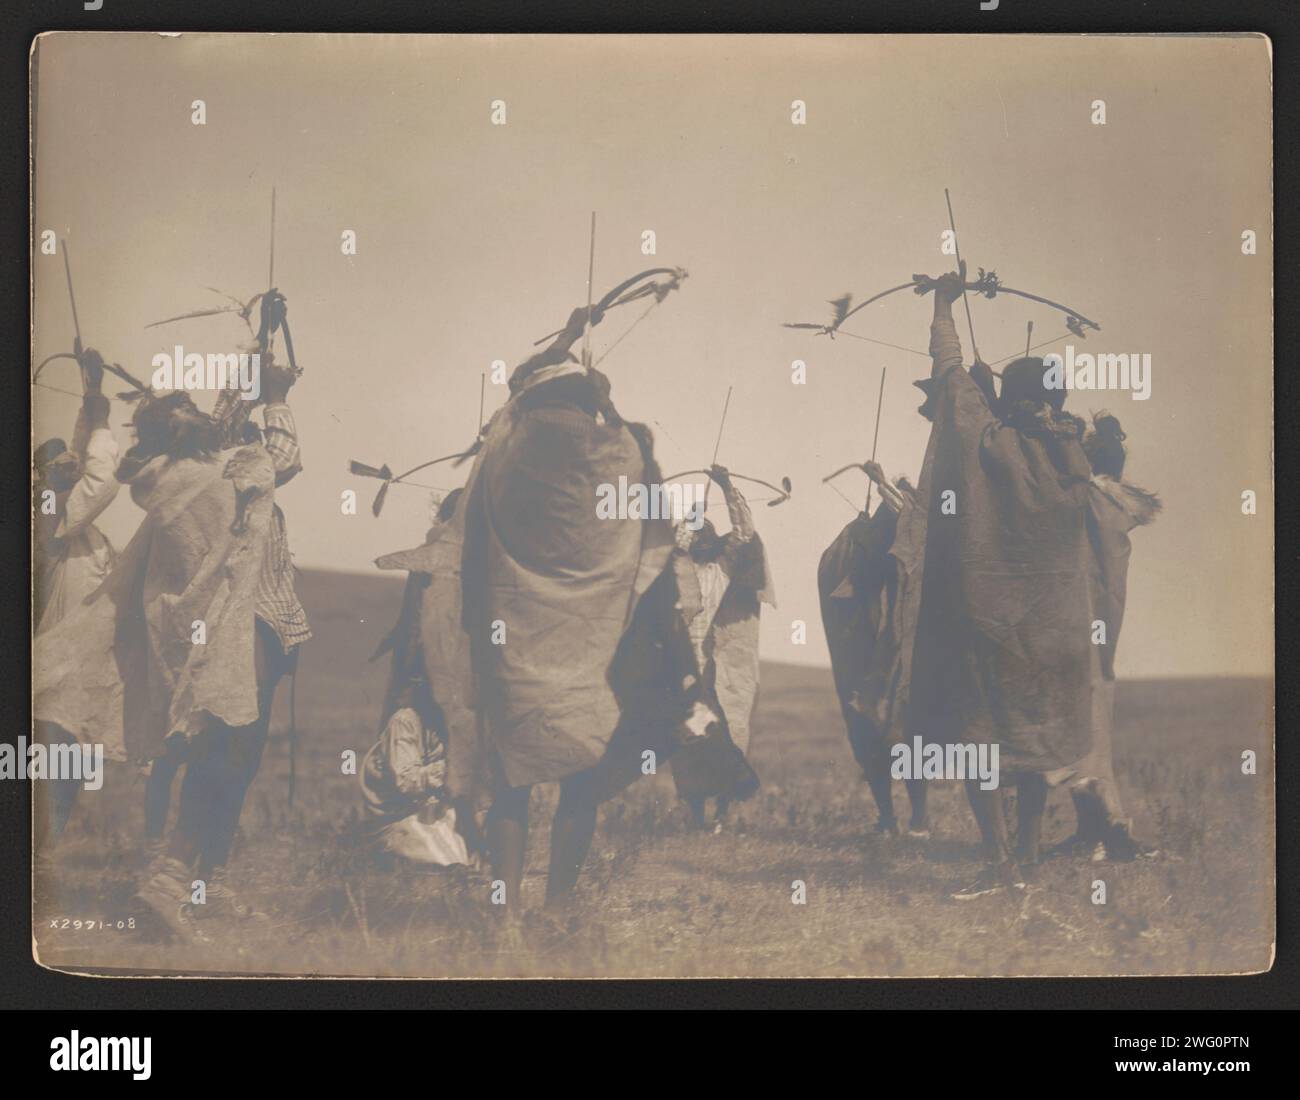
648, 506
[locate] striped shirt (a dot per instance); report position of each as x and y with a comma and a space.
277, 601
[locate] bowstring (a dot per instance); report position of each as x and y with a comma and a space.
626, 333
748, 500
926, 354
832, 485
47, 386
1035, 347
422, 485
882, 343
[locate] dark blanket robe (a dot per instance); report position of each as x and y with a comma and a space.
525, 552
1003, 644
868, 580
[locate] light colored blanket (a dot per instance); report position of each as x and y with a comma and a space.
126, 668
733, 641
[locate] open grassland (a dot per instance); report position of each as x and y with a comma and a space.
658, 899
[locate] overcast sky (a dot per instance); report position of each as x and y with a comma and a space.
473, 242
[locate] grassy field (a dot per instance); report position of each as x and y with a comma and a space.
660, 900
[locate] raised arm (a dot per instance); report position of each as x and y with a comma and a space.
281, 434
740, 547
888, 493
93, 441
742, 522
945, 345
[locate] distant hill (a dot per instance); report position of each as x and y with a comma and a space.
351, 613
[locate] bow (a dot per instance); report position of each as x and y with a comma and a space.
643, 285
865, 467
639, 286
272, 315
139, 389
271, 305
581, 321
844, 470
385, 473
782, 491
988, 284
886, 490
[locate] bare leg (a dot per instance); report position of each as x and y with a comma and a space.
243, 755
1000, 872
872, 755
1031, 800
697, 811
54, 798
916, 791
507, 837
990, 815
158, 792
229, 767
571, 833
272, 664
198, 794
1090, 812
882, 791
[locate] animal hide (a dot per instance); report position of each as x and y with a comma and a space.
124, 668
733, 643
1114, 509
525, 561
867, 579
1003, 651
